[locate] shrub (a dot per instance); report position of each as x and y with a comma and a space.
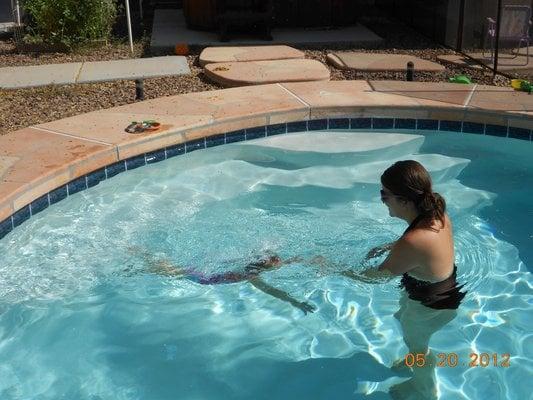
70, 22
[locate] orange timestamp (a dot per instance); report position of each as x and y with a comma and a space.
452, 360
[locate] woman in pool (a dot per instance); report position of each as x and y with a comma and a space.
424, 254
249, 273
424, 257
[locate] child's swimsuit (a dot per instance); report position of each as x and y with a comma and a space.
441, 295
203, 279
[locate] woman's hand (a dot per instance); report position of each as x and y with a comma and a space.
378, 251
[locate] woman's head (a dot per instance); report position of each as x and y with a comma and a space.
408, 184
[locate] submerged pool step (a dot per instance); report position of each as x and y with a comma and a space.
338, 148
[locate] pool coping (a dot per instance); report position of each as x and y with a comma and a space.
43, 164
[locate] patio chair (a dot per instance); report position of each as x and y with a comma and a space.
515, 25
244, 13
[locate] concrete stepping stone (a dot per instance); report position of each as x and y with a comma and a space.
39, 75
380, 62
248, 53
263, 72
99, 71
152, 67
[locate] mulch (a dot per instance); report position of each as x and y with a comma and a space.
25, 107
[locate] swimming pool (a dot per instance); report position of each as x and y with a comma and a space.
82, 316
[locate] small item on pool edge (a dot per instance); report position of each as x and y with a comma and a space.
139, 127
522, 85
461, 79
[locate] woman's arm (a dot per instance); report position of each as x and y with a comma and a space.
280, 294
402, 258
372, 275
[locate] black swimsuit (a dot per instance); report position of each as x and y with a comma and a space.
441, 295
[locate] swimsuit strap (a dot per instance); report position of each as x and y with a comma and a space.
415, 222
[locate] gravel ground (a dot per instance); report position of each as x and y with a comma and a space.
55, 102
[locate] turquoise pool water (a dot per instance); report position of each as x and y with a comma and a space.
84, 316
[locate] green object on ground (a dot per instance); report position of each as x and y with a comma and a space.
460, 79
526, 86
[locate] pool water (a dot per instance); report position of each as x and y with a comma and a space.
85, 315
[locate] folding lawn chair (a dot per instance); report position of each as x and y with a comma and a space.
515, 24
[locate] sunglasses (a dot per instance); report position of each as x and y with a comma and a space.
385, 195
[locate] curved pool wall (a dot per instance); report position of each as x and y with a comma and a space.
515, 125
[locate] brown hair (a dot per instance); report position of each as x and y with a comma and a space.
410, 180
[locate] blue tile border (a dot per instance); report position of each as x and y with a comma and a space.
58, 194
6, 226
317, 124
451, 126
473, 127
339, 123
355, 123
382, 123
405, 123
216, 140
427, 124
255, 133
77, 185
21, 215
360, 123
38, 205
235, 136
276, 129
300, 126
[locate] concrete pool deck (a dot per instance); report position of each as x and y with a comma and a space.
36, 160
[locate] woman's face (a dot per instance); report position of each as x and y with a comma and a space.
394, 203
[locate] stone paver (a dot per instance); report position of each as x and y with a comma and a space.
39, 75
262, 72
450, 93
152, 67
99, 71
500, 99
248, 53
374, 62
505, 63
38, 161
179, 114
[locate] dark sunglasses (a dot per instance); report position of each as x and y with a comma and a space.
385, 196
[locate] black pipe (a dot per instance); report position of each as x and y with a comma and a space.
497, 44
460, 27
139, 89
410, 72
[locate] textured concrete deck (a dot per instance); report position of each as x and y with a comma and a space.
38, 159
247, 53
263, 72
169, 29
98, 71
376, 62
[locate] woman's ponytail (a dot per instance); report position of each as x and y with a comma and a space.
433, 205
